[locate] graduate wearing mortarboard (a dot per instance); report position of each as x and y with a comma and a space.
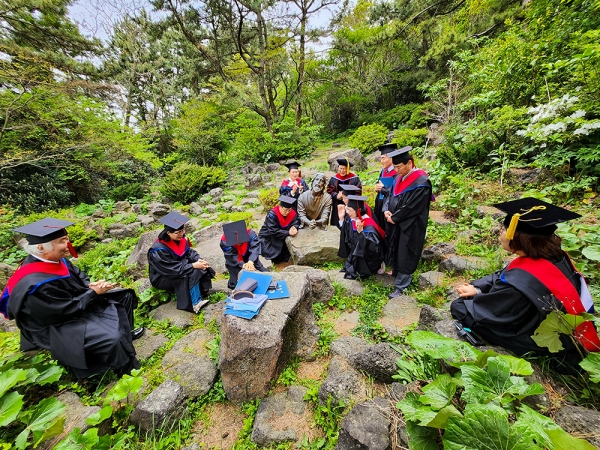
506, 308
241, 248
175, 266
282, 221
294, 185
406, 211
361, 241
388, 171
343, 176
87, 326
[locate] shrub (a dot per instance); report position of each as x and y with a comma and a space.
127, 190
268, 198
368, 137
414, 138
186, 182
78, 235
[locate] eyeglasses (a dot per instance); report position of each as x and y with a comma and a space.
178, 231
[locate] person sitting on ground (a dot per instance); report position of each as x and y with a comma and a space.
387, 172
87, 326
361, 241
175, 266
314, 206
343, 176
506, 307
294, 185
281, 222
241, 248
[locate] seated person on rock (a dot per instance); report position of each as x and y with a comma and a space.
87, 326
281, 222
294, 185
361, 241
175, 266
343, 176
241, 248
349, 189
314, 206
506, 308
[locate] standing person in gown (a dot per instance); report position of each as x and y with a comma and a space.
406, 211
387, 172
175, 266
282, 221
506, 307
294, 185
343, 176
241, 248
361, 241
87, 326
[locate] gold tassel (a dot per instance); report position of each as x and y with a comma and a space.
347, 166
512, 227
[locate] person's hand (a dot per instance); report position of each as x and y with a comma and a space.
339, 196
301, 188
388, 216
312, 224
294, 189
201, 264
359, 226
293, 231
249, 266
466, 290
378, 186
101, 286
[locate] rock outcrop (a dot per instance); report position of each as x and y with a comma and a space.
310, 247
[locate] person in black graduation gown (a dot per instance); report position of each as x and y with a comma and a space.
294, 185
361, 241
241, 248
175, 266
87, 326
387, 172
343, 176
506, 307
281, 222
406, 211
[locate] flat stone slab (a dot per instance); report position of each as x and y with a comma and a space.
353, 288
460, 264
580, 422
254, 352
148, 344
367, 426
138, 260
398, 313
439, 218
178, 318
320, 285
310, 247
430, 279
279, 416
378, 361
160, 409
343, 382
189, 364
347, 346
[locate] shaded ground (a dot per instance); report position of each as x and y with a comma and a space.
220, 429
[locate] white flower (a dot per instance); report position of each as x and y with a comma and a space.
521, 132
578, 114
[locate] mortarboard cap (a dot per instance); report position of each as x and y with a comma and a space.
174, 221
344, 162
350, 189
357, 202
292, 165
533, 216
44, 230
236, 233
387, 148
401, 156
286, 202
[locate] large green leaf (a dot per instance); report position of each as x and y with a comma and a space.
42, 417
49, 373
485, 427
125, 386
555, 324
517, 366
439, 392
10, 406
414, 411
592, 252
100, 416
77, 441
547, 433
591, 364
441, 347
10, 378
441, 418
421, 438
54, 430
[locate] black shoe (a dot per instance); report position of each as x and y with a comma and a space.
137, 333
396, 293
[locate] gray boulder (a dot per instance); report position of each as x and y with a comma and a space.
310, 247
347, 346
216, 194
239, 208
437, 252
177, 318
377, 360
120, 231
122, 207
353, 288
483, 211
158, 210
253, 194
399, 313
99, 214
439, 218
343, 382
429, 316
212, 231
279, 416
321, 288
188, 363
367, 426
211, 209
254, 180
353, 155
520, 177
580, 421
430, 279
227, 205
148, 344
161, 409
196, 209
138, 260
460, 264
253, 352
249, 201
136, 208
6, 272
145, 220
214, 311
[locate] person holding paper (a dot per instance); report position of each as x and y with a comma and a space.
241, 248
386, 179
281, 222
294, 185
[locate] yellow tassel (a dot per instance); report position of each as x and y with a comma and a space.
512, 227
347, 166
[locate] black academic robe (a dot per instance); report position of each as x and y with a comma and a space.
234, 261
286, 189
333, 188
511, 306
408, 202
171, 269
380, 197
87, 332
273, 233
364, 252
